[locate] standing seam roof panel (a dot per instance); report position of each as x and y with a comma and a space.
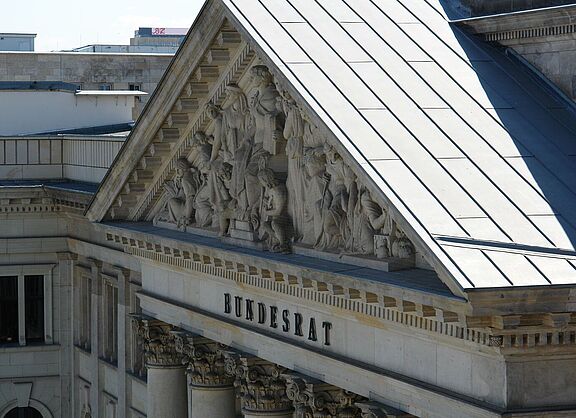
345, 118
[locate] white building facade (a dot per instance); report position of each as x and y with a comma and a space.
327, 209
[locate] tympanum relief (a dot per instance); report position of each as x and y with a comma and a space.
267, 175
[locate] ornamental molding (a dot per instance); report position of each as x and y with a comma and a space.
315, 399
500, 332
204, 360
308, 286
259, 383
159, 342
36, 203
527, 33
371, 409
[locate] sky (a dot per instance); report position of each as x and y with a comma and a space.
67, 24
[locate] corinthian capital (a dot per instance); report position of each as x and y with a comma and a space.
204, 360
315, 399
259, 382
159, 344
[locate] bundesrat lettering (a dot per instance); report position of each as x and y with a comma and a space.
270, 315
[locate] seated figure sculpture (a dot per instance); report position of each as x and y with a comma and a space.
183, 192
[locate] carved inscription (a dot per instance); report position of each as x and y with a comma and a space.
289, 322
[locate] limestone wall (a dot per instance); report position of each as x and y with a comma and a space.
87, 69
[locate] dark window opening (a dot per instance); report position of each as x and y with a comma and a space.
9, 310
27, 412
34, 313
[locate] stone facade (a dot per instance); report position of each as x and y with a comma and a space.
544, 38
89, 71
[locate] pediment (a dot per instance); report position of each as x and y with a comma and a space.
229, 146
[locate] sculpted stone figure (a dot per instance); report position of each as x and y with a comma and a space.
334, 206
224, 204
230, 123
294, 128
266, 117
312, 177
274, 222
369, 219
230, 180
183, 193
200, 159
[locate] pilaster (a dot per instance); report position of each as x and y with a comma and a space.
65, 337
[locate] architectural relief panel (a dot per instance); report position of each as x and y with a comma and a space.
265, 176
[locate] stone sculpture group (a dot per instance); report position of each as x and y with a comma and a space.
266, 174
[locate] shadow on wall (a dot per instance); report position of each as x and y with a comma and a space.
540, 144
457, 9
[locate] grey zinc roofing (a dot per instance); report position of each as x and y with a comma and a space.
469, 146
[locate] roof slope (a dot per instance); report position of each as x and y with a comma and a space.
465, 142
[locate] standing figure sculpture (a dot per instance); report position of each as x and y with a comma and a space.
274, 223
183, 192
294, 127
313, 170
333, 208
251, 155
200, 159
266, 118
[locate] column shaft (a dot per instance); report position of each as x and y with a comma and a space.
167, 396
213, 402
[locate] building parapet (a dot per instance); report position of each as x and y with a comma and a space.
73, 157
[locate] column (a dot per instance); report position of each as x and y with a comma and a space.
314, 398
167, 396
210, 390
260, 386
123, 302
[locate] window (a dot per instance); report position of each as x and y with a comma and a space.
110, 322
27, 412
34, 308
105, 86
9, 310
135, 87
26, 304
85, 312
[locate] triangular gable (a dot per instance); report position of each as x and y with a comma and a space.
140, 185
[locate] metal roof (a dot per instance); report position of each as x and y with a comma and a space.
468, 145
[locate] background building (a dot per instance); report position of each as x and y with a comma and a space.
146, 40
17, 41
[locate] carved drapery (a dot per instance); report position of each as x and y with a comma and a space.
159, 347
315, 399
204, 360
267, 175
259, 383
